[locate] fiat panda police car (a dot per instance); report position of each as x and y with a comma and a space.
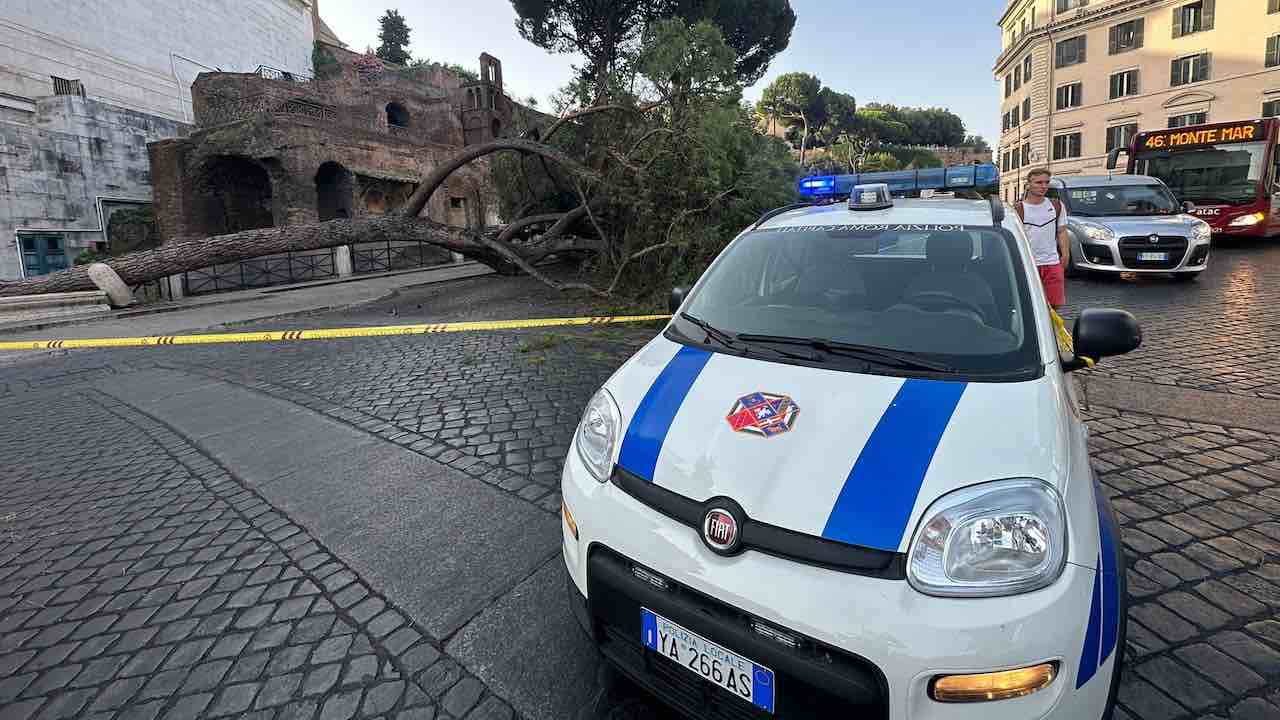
849, 480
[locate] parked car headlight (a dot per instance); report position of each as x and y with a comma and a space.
597, 434
998, 538
1247, 220
1095, 231
1201, 233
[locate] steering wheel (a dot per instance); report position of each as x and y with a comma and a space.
937, 301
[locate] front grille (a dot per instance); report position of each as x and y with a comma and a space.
1175, 246
812, 680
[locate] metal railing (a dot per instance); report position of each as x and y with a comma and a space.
261, 272
270, 73
396, 255
153, 291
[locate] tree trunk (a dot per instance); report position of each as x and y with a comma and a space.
193, 254
804, 139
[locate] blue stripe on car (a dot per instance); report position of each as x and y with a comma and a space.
1089, 654
653, 418
1110, 583
880, 491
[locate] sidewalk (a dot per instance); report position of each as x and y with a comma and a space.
243, 306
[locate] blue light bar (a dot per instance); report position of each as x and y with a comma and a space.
982, 178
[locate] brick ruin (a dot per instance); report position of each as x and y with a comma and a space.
272, 149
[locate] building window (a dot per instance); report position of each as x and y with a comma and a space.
1017, 77
1008, 85
1196, 118
1193, 18
62, 86
1189, 69
1070, 52
1271, 108
1004, 162
457, 203
1119, 136
1026, 66
1273, 6
397, 115
1124, 84
1066, 146
1015, 160
42, 253
1026, 109
1126, 36
1026, 154
1069, 96
1065, 5
1273, 50
1014, 117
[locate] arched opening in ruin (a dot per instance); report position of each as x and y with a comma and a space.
397, 115
334, 191
496, 127
232, 194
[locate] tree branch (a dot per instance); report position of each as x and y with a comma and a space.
667, 243
596, 109
413, 207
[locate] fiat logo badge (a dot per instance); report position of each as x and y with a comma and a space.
1153, 239
720, 530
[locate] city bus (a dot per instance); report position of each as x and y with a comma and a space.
1227, 171
982, 179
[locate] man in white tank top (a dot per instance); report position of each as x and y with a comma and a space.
1045, 221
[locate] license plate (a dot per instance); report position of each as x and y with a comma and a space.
1153, 256
707, 660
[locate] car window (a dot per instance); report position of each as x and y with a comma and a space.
1119, 200
953, 293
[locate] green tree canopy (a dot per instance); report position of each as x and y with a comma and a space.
757, 30
395, 38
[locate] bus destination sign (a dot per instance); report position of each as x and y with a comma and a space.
1179, 138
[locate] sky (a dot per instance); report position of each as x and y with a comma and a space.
926, 53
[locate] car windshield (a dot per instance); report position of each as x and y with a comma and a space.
898, 299
1230, 173
1119, 200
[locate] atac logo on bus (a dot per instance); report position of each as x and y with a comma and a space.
763, 414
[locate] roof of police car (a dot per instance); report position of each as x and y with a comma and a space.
903, 212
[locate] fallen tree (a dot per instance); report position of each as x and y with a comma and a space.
643, 196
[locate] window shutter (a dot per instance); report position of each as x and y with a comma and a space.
1138, 26
1080, 51
1206, 69
1113, 41
1273, 6
1206, 17
1115, 86
1273, 43
1177, 22
1134, 87
1174, 78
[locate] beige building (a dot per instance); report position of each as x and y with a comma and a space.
1079, 77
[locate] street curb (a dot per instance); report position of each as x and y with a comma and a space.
1226, 410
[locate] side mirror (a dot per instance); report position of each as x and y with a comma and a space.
676, 298
1100, 333
1188, 206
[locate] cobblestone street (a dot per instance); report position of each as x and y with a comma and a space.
300, 530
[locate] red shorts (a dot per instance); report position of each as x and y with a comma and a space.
1055, 284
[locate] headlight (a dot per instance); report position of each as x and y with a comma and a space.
597, 434
1247, 220
1096, 232
1201, 233
998, 538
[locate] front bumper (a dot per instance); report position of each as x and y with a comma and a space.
884, 640
1121, 255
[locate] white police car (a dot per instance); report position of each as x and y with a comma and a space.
849, 480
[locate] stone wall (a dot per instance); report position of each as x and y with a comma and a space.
144, 54
291, 150
66, 164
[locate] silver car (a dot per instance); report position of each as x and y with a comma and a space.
1130, 223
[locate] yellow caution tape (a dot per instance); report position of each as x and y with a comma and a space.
1065, 343
321, 334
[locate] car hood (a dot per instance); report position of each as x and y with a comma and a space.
850, 457
1124, 225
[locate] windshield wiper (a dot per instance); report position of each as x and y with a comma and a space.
713, 332
868, 353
